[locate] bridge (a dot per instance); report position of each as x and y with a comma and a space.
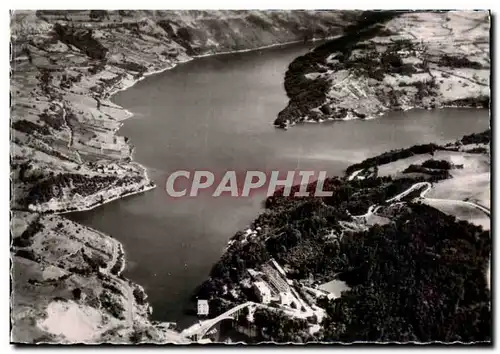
199, 330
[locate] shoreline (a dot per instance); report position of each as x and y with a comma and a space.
108, 95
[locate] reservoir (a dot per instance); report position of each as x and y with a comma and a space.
216, 114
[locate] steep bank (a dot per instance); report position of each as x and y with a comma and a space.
65, 155
394, 61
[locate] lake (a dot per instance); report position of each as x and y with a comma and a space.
216, 113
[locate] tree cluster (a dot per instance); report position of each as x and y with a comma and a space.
437, 164
54, 121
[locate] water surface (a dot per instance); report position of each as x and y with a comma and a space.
216, 114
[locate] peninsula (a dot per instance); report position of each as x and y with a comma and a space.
399, 253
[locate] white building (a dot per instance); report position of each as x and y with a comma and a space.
202, 307
263, 292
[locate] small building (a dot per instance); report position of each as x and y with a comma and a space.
263, 292
285, 298
203, 307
